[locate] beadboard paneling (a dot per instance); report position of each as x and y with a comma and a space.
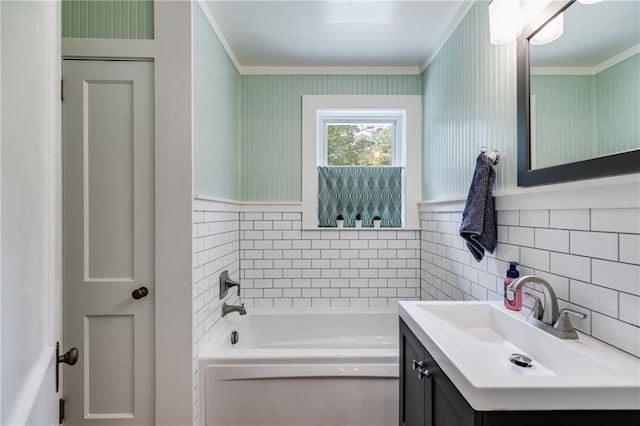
270, 119
618, 107
582, 116
469, 94
128, 19
216, 92
565, 125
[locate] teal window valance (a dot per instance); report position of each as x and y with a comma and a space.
368, 191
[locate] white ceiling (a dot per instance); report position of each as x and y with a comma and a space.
593, 33
295, 33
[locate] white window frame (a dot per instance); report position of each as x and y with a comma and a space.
396, 118
408, 111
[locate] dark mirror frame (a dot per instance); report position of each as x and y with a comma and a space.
615, 164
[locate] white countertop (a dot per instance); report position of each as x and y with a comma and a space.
472, 342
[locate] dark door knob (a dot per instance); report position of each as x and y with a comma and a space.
139, 293
70, 357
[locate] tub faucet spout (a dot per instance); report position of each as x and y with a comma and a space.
227, 309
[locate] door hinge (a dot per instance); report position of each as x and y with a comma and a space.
61, 411
62, 90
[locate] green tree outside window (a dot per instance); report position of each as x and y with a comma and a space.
364, 144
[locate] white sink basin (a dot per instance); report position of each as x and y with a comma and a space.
472, 343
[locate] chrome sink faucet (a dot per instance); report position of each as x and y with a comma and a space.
548, 318
227, 309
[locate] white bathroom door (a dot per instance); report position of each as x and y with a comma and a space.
108, 241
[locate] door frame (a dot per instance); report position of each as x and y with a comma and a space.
171, 53
33, 401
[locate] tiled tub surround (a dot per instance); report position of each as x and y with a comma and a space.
283, 265
591, 257
216, 247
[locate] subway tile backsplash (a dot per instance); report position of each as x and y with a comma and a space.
284, 266
593, 265
216, 247
590, 256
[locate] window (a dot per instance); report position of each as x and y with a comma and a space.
359, 143
358, 150
357, 146
360, 138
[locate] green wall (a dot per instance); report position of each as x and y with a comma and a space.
469, 92
578, 117
216, 100
128, 19
618, 107
270, 119
565, 127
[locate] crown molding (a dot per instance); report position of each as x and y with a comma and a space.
216, 28
330, 70
453, 24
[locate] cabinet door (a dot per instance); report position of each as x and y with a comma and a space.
449, 406
415, 393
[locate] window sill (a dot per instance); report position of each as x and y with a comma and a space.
367, 229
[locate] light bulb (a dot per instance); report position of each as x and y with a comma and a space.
505, 22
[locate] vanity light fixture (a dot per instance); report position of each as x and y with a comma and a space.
589, 1
505, 21
550, 32
507, 18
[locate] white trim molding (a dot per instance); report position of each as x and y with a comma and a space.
596, 69
216, 28
410, 104
562, 71
609, 193
173, 220
453, 24
203, 202
614, 60
327, 70
97, 48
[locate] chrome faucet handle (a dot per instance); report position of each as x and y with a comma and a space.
564, 326
537, 310
567, 311
226, 283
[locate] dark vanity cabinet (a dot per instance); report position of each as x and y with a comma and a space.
429, 398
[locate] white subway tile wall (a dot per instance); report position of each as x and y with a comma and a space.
590, 256
596, 271
216, 247
284, 266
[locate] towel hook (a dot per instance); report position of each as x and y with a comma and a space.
494, 155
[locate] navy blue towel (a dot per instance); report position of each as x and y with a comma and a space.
478, 227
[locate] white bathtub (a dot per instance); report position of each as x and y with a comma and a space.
319, 368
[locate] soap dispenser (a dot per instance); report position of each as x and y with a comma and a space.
512, 299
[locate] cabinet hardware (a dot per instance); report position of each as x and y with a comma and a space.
422, 373
421, 368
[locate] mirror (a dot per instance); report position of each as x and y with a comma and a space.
579, 94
